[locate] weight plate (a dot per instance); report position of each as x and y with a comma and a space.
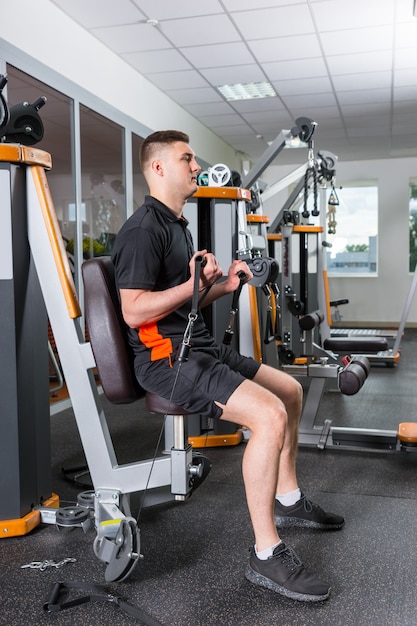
219, 175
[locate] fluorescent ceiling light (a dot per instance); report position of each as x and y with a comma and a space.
247, 91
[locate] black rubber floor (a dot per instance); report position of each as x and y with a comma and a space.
195, 552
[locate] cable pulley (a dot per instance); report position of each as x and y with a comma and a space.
25, 125
265, 271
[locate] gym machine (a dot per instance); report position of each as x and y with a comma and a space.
36, 284
24, 398
223, 218
218, 221
304, 349
172, 476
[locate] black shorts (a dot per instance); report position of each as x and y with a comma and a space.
209, 374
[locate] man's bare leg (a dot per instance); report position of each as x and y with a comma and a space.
279, 568
265, 415
290, 392
299, 511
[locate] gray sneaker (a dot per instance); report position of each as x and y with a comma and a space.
284, 573
306, 514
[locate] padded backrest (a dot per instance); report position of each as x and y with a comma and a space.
107, 332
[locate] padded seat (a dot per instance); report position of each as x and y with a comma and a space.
108, 338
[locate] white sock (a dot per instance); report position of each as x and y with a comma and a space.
288, 499
263, 555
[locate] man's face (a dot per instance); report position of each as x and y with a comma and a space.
181, 168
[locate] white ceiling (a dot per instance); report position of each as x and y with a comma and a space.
351, 65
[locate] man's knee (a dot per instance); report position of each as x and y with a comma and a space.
297, 389
280, 383
272, 417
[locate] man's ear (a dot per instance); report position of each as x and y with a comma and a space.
156, 167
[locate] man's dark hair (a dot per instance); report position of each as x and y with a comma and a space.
157, 139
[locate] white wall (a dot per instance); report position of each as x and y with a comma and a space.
44, 32
377, 299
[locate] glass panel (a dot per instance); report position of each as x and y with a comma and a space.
56, 119
103, 190
140, 187
354, 245
413, 224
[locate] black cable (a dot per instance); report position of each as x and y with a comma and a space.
182, 355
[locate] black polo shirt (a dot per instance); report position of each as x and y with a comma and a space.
152, 251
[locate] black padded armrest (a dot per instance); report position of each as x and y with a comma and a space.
355, 345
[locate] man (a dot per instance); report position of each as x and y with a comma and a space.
155, 261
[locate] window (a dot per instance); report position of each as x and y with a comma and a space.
56, 120
140, 187
413, 224
102, 181
354, 246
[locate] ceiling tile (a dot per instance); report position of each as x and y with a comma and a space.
305, 86
323, 99
352, 111
406, 34
406, 93
260, 105
194, 31
365, 96
403, 127
95, 13
238, 130
357, 40
285, 48
131, 38
233, 74
351, 63
235, 53
266, 119
153, 61
326, 131
169, 10
405, 57
219, 121
318, 114
404, 108
406, 77
299, 68
338, 14
374, 131
366, 80
208, 108
245, 5
274, 22
193, 96
187, 79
